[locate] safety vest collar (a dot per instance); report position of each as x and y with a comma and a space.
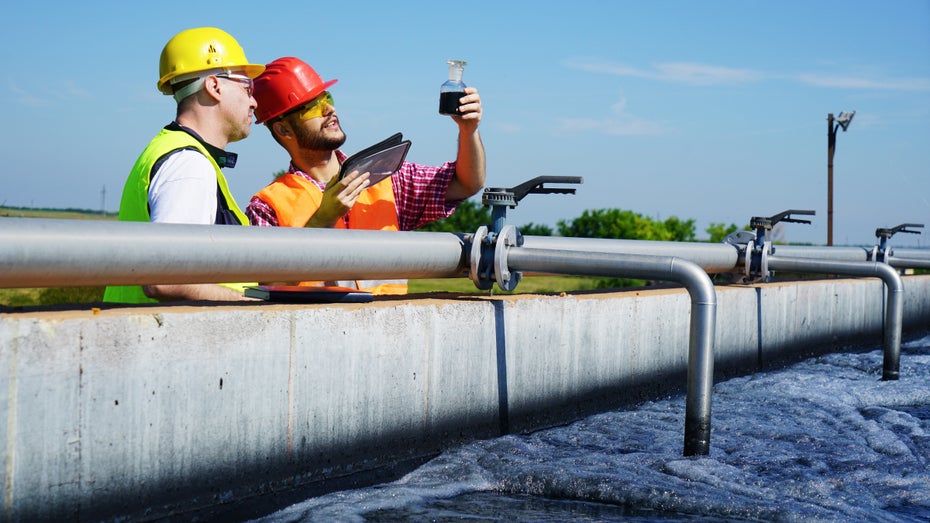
293, 169
221, 157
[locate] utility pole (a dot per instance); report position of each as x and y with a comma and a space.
843, 121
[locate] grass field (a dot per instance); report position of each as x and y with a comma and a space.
528, 285
50, 296
533, 284
76, 214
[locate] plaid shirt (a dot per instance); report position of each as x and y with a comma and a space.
419, 193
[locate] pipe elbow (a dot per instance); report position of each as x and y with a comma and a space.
695, 279
890, 276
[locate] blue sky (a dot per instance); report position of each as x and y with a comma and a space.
714, 111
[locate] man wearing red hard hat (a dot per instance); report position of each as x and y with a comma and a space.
293, 102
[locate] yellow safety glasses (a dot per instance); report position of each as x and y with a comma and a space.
314, 108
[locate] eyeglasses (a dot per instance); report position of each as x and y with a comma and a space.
314, 108
240, 79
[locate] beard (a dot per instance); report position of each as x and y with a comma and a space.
317, 141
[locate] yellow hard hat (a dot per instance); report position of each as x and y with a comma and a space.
201, 49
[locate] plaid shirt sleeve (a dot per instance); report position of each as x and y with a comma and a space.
420, 194
261, 214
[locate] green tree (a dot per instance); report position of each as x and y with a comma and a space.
675, 229
532, 229
470, 215
604, 223
623, 224
467, 218
719, 231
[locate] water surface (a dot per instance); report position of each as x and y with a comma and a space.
825, 440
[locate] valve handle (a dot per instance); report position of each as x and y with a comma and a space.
534, 186
889, 232
768, 222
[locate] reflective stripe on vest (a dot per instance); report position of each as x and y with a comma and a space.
134, 205
295, 199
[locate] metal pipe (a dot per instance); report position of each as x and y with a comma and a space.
894, 307
907, 263
37, 252
66, 253
666, 268
911, 258
823, 253
712, 257
910, 254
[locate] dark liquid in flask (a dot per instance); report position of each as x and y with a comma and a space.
449, 102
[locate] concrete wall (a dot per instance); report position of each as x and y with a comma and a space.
141, 412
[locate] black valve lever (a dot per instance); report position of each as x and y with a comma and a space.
510, 196
785, 216
882, 251
536, 186
889, 232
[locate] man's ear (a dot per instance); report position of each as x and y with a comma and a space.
211, 86
281, 129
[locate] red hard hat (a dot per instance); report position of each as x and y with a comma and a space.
287, 83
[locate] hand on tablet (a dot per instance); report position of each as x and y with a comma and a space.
338, 198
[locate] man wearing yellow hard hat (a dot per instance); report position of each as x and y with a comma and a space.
178, 177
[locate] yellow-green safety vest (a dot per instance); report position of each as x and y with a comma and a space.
134, 205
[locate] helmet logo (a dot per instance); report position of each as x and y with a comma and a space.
212, 53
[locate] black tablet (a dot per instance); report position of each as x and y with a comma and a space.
308, 294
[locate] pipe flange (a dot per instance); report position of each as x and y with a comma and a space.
756, 264
882, 255
508, 237
747, 261
765, 275
477, 271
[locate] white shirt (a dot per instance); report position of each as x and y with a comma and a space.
183, 190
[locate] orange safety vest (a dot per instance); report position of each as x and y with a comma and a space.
295, 199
